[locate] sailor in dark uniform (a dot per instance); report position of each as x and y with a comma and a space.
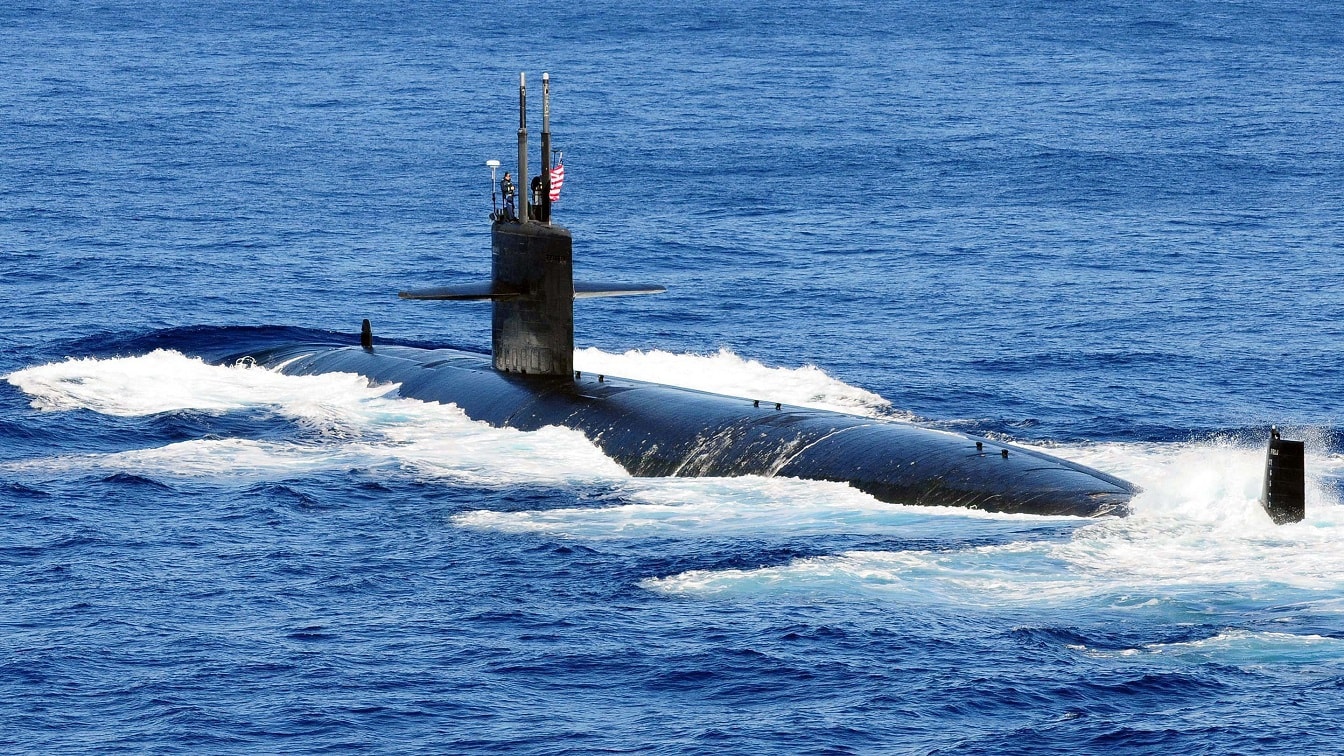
509, 191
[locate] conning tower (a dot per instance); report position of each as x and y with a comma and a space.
533, 332
531, 283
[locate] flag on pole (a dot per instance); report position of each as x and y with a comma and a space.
557, 181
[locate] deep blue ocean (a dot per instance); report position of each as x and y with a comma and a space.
1112, 230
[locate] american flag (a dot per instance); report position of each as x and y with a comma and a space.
557, 181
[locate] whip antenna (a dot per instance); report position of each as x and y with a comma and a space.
522, 145
545, 198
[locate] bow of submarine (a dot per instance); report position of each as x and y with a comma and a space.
659, 430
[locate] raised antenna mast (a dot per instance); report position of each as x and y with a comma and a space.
546, 147
522, 147
531, 287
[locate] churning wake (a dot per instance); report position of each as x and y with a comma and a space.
357, 425
1197, 531
1197, 526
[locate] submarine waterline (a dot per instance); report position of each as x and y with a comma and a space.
655, 430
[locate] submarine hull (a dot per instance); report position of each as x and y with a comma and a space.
657, 430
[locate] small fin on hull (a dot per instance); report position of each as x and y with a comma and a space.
476, 291
590, 289
1284, 493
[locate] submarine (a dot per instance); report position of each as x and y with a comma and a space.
528, 382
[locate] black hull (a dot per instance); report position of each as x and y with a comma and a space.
656, 430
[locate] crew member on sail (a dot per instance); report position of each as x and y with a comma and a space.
509, 191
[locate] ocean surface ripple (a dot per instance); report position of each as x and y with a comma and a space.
1111, 231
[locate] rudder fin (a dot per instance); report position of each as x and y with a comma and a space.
1284, 492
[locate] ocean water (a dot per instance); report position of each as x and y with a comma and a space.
1111, 230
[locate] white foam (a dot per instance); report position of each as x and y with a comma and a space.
727, 373
1247, 649
1197, 529
727, 507
355, 425
165, 381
